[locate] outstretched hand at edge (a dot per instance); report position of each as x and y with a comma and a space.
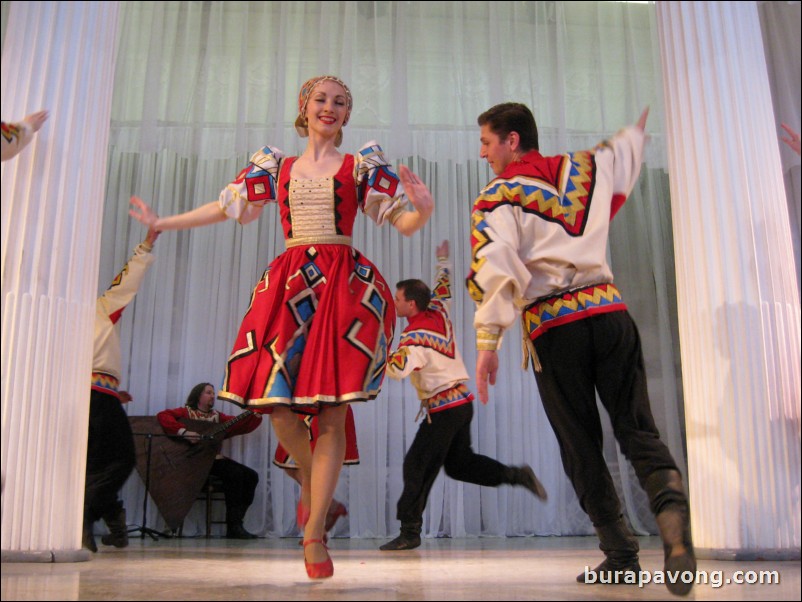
36, 120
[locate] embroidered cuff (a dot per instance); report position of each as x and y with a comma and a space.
487, 340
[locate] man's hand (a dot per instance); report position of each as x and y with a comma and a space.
191, 436
642, 121
486, 369
36, 120
442, 250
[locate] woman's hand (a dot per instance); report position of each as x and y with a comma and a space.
420, 197
146, 216
417, 192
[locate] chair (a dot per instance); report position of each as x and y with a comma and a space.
211, 492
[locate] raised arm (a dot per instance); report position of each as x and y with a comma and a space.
441, 289
204, 215
420, 197
642, 121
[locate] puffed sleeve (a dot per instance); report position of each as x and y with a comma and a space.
380, 193
255, 186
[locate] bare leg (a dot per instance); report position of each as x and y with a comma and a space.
327, 462
294, 436
335, 506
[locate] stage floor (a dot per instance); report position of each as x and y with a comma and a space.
525, 568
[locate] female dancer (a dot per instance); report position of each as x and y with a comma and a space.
315, 335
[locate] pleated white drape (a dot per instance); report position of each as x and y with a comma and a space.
59, 57
739, 306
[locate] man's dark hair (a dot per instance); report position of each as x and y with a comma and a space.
417, 291
512, 117
195, 393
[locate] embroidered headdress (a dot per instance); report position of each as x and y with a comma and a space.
303, 99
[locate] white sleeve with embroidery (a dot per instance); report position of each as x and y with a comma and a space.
15, 137
405, 360
379, 189
625, 149
498, 276
126, 284
256, 185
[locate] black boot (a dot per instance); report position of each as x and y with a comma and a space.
235, 514
670, 507
409, 538
525, 477
621, 556
237, 531
118, 529
88, 537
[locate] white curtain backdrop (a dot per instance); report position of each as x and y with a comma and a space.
202, 85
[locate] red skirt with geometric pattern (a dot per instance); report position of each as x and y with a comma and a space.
316, 333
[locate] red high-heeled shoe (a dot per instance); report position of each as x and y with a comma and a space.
302, 514
318, 570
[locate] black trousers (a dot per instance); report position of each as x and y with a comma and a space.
110, 456
445, 442
601, 353
239, 486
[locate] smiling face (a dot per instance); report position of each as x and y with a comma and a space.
497, 152
327, 108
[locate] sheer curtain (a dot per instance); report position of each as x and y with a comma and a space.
202, 85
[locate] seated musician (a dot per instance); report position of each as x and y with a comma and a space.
239, 481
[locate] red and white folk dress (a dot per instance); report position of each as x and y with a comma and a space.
321, 319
